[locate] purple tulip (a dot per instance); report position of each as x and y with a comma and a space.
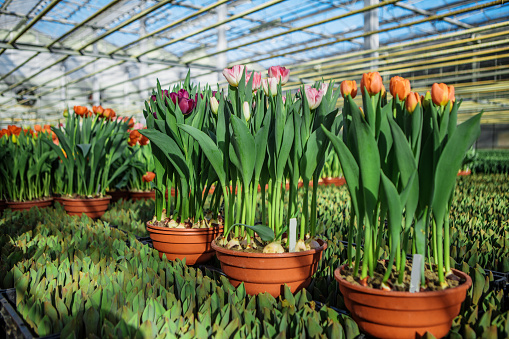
186, 105
183, 94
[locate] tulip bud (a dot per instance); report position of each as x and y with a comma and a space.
313, 96
66, 113
214, 105
440, 94
411, 101
348, 87
234, 74
399, 87
372, 81
270, 86
280, 73
246, 110
425, 100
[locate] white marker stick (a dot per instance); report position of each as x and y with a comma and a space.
415, 277
292, 234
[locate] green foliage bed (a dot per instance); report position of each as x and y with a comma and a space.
79, 278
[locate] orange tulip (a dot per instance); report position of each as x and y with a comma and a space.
148, 177
81, 110
109, 113
37, 128
348, 87
440, 94
98, 109
400, 87
452, 97
130, 122
3, 132
411, 101
372, 81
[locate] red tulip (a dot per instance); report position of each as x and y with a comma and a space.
372, 81
134, 137
98, 109
186, 105
399, 87
148, 177
348, 87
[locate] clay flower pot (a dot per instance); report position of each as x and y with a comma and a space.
334, 181
94, 207
3, 205
27, 205
116, 195
268, 272
463, 173
388, 314
190, 243
142, 195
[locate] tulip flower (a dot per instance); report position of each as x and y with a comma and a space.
440, 94
426, 99
324, 87
80, 110
134, 137
38, 128
246, 110
98, 110
148, 177
138, 125
182, 93
313, 96
214, 105
281, 73
348, 87
14, 130
234, 74
270, 86
399, 87
108, 113
144, 140
257, 80
452, 97
66, 113
186, 105
411, 101
372, 81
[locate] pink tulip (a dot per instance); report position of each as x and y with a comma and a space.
246, 110
313, 96
281, 73
270, 86
324, 87
234, 74
257, 80
138, 125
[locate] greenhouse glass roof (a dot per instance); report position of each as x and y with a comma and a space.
56, 54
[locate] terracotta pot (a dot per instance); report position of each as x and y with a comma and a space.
142, 195
387, 314
264, 272
462, 173
190, 243
94, 207
334, 181
119, 194
3, 205
27, 205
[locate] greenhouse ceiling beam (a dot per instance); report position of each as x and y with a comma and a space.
353, 54
125, 23
428, 13
204, 29
19, 66
391, 58
337, 17
32, 22
84, 22
170, 25
5, 4
428, 19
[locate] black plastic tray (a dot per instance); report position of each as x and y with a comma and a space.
12, 324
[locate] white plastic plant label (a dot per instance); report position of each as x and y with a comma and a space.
292, 234
415, 277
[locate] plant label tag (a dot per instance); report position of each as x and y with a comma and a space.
415, 277
292, 234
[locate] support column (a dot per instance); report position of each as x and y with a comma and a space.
222, 43
371, 24
142, 67
96, 95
